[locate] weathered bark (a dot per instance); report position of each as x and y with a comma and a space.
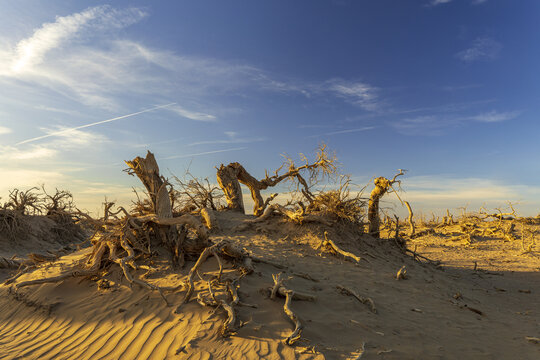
147, 170
382, 185
227, 179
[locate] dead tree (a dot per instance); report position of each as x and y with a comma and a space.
382, 185
59, 202
24, 201
229, 178
147, 170
410, 218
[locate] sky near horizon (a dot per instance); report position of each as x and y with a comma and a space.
447, 89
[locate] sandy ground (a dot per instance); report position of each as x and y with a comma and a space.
436, 313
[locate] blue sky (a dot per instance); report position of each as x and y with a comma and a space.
447, 89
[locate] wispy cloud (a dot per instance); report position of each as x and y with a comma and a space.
231, 137
4, 130
358, 93
438, 124
423, 125
439, 2
346, 131
495, 116
118, 70
14, 154
203, 153
73, 137
70, 131
49, 36
482, 48
193, 115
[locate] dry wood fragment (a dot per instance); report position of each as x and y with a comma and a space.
364, 300
402, 273
209, 218
360, 352
534, 340
9, 263
474, 310
333, 248
295, 335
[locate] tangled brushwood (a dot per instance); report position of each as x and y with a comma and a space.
172, 225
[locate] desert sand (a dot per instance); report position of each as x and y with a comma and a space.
436, 312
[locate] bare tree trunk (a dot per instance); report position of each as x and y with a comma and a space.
147, 170
227, 178
382, 185
411, 222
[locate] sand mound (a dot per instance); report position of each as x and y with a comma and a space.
433, 314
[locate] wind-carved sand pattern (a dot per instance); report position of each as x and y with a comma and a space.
304, 282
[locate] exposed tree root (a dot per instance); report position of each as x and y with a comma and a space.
295, 335
279, 289
364, 300
73, 273
9, 263
289, 295
330, 246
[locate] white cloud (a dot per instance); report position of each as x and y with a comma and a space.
439, 2
32, 50
436, 124
231, 137
495, 116
81, 58
478, 2
346, 131
357, 93
423, 125
69, 137
193, 115
5, 130
483, 48
203, 153
24, 178
436, 193
12, 154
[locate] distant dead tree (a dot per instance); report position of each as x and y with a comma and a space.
229, 178
24, 201
382, 185
194, 194
60, 201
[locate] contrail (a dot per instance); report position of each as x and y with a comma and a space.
92, 124
203, 153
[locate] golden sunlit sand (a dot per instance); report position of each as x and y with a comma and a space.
293, 283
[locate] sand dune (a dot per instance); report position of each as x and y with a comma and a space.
418, 318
